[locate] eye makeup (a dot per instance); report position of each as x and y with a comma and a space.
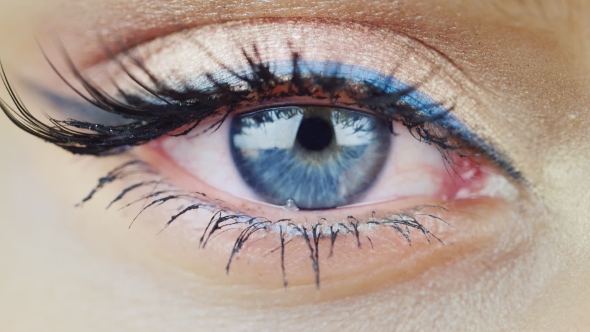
191, 84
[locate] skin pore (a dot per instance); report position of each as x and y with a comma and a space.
521, 266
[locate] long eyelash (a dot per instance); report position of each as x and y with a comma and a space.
190, 107
288, 230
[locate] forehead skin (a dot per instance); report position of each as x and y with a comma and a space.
531, 55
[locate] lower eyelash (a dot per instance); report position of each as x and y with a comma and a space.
226, 218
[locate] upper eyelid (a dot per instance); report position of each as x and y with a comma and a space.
438, 56
457, 77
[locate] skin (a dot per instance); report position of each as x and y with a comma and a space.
521, 266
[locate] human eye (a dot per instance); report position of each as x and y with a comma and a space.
283, 161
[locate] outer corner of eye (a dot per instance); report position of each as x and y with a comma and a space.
322, 196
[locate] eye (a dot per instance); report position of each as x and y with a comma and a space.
283, 156
317, 158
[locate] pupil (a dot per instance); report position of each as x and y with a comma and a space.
315, 134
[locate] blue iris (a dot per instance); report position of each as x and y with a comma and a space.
319, 157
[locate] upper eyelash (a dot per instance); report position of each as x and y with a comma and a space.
148, 120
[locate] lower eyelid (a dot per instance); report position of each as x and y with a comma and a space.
386, 260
